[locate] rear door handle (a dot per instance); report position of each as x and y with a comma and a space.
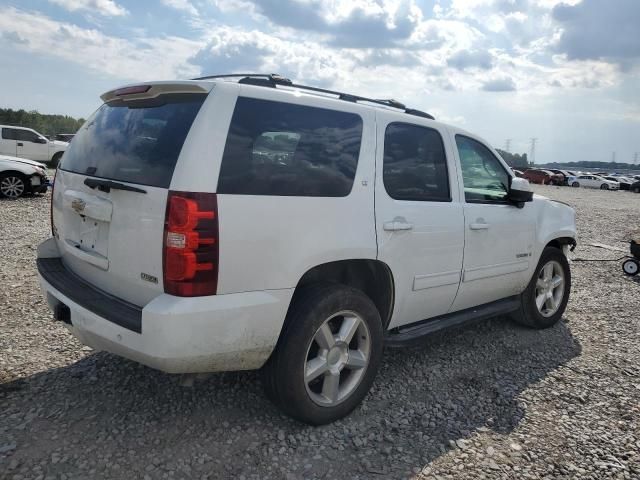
479, 226
397, 225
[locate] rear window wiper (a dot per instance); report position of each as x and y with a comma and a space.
107, 185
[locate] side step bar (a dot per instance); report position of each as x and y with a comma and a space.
412, 334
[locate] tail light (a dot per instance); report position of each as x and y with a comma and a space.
190, 253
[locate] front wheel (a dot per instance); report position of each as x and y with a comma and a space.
327, 356
604, 186
545, 299
630, 267
575, 184
12, 185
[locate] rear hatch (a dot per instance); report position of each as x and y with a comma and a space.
111, 188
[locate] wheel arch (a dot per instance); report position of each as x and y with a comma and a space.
372, 277
560, 242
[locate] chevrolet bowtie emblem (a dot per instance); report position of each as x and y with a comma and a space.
78, 205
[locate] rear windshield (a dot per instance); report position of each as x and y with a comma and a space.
137, 142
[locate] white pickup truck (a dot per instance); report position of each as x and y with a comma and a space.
27, 143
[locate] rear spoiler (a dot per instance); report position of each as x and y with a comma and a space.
153, 90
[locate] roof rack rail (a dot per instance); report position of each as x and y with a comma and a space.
273, 80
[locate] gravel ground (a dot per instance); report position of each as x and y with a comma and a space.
493, 400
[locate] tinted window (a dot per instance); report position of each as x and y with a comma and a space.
484, 177
137, 142
415, 165
276, 148
8, 134
26, 135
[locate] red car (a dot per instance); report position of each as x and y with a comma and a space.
544, 177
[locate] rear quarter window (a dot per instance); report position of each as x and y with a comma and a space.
283, 149
137, 142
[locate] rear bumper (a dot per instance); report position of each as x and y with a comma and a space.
176, 334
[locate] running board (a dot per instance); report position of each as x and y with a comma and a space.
412, 334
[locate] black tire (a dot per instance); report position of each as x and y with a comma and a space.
604, 186
636, 190
631, 267
575, 184
13, 185
283, 374
55, 160
529, 315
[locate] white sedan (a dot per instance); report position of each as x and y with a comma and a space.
594, 181
19, 176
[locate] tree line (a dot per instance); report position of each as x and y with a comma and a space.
40, 122
514, 160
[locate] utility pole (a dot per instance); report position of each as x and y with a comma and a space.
613, 157
507, 145
532, 151
635, 158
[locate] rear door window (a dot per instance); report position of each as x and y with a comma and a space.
276, 148
9, 134
137, 142
415, 165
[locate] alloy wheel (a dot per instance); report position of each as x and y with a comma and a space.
337, 358
12, 187
550, 288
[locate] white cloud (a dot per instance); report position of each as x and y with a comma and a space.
184, 5
102, 7
139, 58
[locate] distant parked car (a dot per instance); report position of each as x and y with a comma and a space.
564, 174
19, 176
594, 181
64, 137
518, 173
535, 175
27, 143
625, 183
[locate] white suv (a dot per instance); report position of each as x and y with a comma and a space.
218, 224
27, 143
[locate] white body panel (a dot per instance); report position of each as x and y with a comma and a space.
498, 246
426, 259
444, 263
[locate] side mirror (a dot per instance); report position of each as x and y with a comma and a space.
520, 191
40, 140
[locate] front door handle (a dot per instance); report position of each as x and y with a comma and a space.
397, 224
479, 226
20, 144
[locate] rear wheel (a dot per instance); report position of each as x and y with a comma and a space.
545, 299
631, 267
575, 184
12, 185
604, 186
327, 356
636, 189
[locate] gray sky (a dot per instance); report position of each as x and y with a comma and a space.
566, 72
